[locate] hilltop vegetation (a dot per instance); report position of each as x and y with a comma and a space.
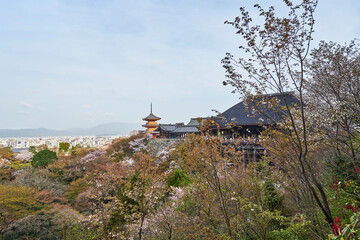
195, 189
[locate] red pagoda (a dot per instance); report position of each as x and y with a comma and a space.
151, 123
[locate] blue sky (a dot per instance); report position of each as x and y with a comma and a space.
66, 63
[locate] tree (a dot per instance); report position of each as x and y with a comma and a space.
43, 158
334, 90
64, 146
32, 149
6, 153
41, 147
274, 61
214, 172
53, 224
16, 202
24, 156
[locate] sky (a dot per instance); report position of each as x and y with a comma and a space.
66, 63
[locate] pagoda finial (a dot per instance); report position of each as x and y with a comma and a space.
150, 107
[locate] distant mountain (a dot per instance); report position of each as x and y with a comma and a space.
38, 132
108, 129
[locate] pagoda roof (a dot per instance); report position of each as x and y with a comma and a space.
151, 117
151, 125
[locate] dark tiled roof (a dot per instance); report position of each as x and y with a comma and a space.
174, 128
194, 122
151, 117
186, 129
167, 127
239, 115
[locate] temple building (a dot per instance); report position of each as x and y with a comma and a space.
151, 122
247, 119
178, 130
242, 123
239, 121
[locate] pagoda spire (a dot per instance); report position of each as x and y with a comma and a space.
151, 107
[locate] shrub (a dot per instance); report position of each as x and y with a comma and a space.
64, 146
272, 200
83, 203
18, 165
75, 188
5, 174
66, 170
43, 158
178, 179
342, 168
54, 224
17, 202
6, 153
40, 180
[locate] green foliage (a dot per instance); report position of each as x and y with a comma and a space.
6, 153
272, 200
351, 231
17, 202
18, 165
127, 205
342, 168
5, 174
82, 232
64, 146
178, 179
32, 149
74, 149
75, 188
343, 187
294, 231
43, 158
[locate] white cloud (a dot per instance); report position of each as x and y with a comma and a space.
25, 104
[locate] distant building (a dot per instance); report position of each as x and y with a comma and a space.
151, 122
178, 130
245, 119
17, 150
242, 123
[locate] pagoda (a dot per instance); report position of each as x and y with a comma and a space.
151, 123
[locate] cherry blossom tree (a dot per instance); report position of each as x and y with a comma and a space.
334, 90
24, 156
274, 61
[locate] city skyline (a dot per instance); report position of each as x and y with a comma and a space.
71, 64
